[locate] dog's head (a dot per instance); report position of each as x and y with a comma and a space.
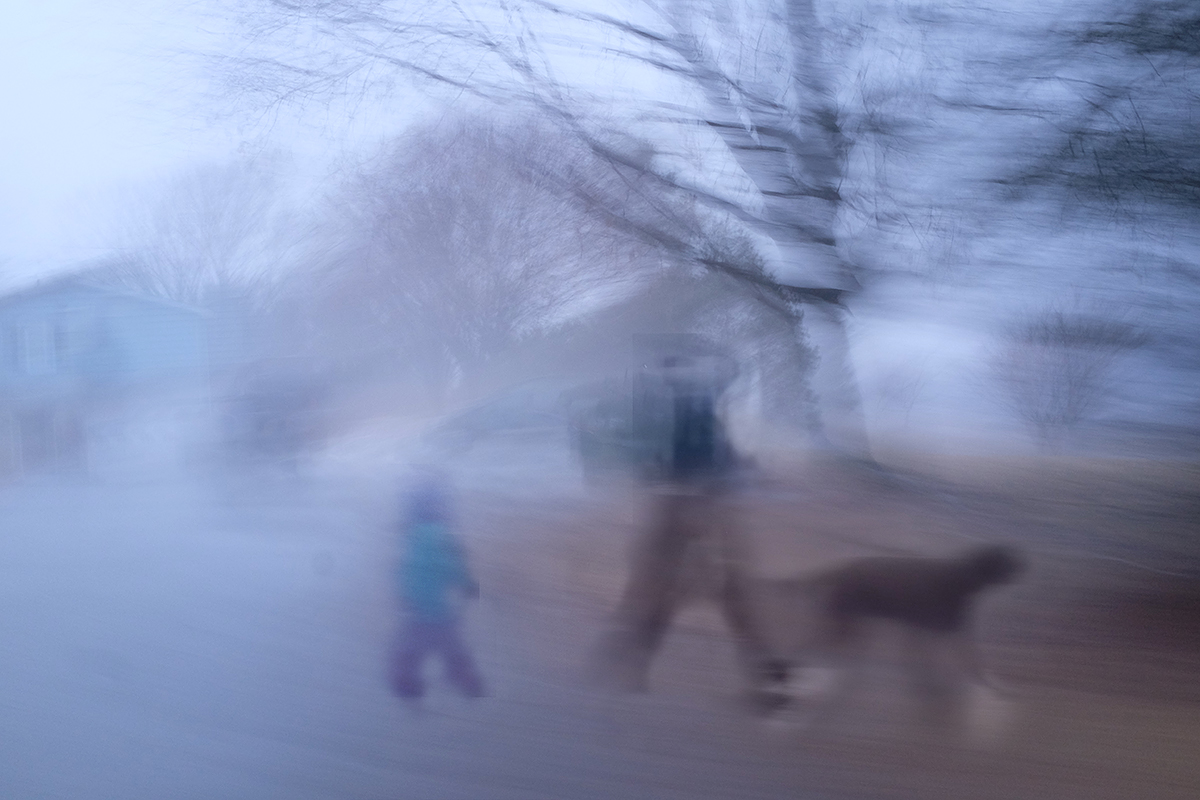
995, 563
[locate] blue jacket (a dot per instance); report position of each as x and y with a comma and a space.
433, 570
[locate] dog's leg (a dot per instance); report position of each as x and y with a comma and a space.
829, 681
969, 658
989, 707
927, 680
768, 693
939, 681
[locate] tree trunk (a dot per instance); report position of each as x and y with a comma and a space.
787, 140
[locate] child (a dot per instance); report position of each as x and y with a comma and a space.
433, 580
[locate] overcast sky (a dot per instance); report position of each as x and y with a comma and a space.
96, 99
101, 101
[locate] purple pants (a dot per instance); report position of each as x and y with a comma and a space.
420, 638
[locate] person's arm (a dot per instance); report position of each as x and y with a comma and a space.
464, 577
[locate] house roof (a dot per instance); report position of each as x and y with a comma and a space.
83, 281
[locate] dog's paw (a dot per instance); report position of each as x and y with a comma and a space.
989, 716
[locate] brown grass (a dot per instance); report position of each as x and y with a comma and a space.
1101, 639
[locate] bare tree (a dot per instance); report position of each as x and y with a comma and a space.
1124, 141
221, 230
1056, 367
455, 247
750, 82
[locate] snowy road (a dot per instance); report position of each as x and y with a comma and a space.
224, 640
162, 641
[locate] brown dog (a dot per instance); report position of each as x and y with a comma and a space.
931, 598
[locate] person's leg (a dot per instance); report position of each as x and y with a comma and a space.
649, 600
460, 666
407, 659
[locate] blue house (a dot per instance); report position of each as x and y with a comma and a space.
81, 367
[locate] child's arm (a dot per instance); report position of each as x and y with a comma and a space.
464, 577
